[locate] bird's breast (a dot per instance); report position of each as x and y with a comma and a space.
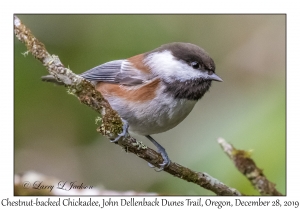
148, 109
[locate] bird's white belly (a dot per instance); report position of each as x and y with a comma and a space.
154, 116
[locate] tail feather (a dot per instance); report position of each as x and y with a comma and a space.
50, 78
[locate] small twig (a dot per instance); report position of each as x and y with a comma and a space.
247, 166
111, 121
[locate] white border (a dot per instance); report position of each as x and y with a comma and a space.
154, 6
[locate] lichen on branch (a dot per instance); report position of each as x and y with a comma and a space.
112, 124
247, 167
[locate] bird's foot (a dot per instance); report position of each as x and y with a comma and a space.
124, 132
166, 161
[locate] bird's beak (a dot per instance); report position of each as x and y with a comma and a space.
215, 78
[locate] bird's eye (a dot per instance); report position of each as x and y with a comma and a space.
195, 65
210, 72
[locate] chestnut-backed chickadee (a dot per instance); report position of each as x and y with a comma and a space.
155, 91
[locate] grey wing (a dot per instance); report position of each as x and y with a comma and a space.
106, 72
119, 71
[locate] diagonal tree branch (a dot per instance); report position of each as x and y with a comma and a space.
111, 122
247, 166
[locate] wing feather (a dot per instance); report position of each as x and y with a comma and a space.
118, 72
106, 72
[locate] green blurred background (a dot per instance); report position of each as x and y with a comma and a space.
55, 135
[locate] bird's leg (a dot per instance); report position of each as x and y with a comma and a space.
163, 153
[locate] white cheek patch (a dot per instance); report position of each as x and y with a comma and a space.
167, 67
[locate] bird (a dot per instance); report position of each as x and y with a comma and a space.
154, 91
